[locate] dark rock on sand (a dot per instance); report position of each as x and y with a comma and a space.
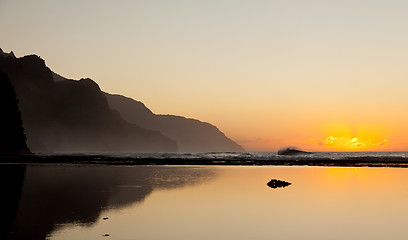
274, 183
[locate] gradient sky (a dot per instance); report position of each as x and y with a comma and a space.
320, 75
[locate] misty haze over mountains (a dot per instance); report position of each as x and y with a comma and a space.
68, 116
191, 135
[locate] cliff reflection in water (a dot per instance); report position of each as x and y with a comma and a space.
55, 195
11, 183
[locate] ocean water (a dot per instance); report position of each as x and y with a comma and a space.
259, 156
249, 155
267, 155
70, 201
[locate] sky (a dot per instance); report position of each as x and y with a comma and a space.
319, 75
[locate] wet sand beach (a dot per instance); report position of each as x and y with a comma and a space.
96, 201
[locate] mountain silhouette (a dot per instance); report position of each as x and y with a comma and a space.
191, 135
72, 116
62, 115
12, 137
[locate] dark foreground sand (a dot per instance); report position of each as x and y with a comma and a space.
299, 161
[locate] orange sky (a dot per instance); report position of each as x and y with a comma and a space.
319, 75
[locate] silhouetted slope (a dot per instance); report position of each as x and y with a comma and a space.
3, 54
12, 137
191, 135
73, 116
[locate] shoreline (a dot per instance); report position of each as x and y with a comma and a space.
397, 162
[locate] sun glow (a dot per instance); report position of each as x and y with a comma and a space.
354, 143
362, 137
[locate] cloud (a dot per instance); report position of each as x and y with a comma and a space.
352, 143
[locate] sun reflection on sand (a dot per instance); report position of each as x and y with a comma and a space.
235, 203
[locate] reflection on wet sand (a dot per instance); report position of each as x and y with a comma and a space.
11, 184
154, 202
323, 203
56, 195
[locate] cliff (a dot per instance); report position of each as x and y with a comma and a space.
72, 116
68, 116
12, 137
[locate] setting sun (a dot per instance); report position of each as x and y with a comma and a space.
345, 143
345, 137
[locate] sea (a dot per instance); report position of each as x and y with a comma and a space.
262, 155
373, 159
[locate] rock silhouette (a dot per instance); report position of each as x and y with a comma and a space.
291, 151
274, 183
3, 54
12, 137
191, 135
72, 116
